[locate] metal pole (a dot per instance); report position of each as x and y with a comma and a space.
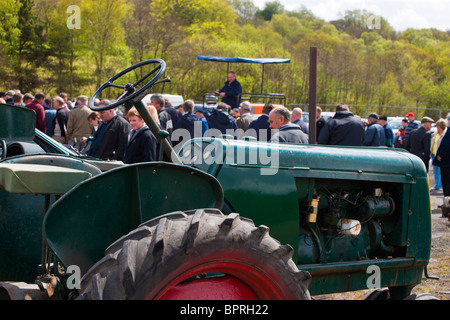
312, 95
262, 80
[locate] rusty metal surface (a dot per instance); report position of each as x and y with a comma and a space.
46, 287
21, 291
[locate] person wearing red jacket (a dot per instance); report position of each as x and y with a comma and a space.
36, 106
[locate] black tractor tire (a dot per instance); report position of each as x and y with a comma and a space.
378, 294
165, 251
445, 210
383, 294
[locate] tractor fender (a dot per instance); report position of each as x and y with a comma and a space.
86, 220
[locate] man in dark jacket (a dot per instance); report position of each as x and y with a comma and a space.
297, 118
375, 136
231, 91
221, 120
60, 121
280, 118
344, 129
172, 111
320, 121
419, 141
260, 127
165, 119
111, 138
388, 132
188, 119
410, 126
187, 122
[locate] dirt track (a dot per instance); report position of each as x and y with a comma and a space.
439, 265
440, 253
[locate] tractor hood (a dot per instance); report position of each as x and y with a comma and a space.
314, 161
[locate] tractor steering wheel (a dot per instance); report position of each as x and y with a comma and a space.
131, 91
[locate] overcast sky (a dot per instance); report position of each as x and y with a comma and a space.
401, 14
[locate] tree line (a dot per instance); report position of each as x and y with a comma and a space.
360, 62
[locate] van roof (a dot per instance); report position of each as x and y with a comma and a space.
175, 100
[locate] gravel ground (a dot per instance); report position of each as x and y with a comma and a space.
440, 253
439, 265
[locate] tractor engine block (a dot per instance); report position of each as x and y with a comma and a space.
348, 223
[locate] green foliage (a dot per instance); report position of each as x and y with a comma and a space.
271, 8
9, 19
362, 59
245, 9
65, 51
30, 49
9, 36
104, 35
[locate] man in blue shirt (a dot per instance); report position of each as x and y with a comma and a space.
260, 128
297, 115
231, 91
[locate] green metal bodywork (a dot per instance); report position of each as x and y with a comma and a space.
85, 221
16, 123
279, 196
29, 185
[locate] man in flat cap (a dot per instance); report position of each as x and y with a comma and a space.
375, 136
419, 141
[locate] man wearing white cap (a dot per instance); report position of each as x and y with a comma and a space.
245, 116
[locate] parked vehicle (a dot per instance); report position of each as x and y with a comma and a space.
174, 99
396, 123
327, 115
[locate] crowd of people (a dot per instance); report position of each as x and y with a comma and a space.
124, 136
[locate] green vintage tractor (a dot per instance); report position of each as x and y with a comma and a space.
349, 219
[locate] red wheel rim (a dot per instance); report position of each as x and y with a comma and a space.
242, 282
216, 288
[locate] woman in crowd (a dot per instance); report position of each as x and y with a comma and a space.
142, 144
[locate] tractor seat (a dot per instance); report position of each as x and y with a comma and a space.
39, 179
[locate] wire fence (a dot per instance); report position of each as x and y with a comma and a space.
389, 111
